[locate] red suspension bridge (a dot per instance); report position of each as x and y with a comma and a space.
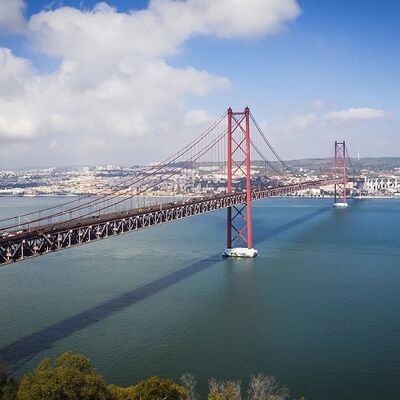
229, 142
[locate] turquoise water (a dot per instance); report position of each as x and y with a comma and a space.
319, 308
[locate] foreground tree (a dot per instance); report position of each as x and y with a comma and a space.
156, 388
9, 390
121, 393
3, 373
190, 384
71, 378
8, 386
224, 390
262, 387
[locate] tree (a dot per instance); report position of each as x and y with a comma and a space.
155, 388
3, 373
71, 378
121, 393
8, 386
224, 390
262, 387
190, 384
8, 391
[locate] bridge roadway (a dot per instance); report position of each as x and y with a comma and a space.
62, 235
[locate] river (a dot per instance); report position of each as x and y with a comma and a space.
319, 308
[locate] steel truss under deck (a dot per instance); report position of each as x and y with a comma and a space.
65, 235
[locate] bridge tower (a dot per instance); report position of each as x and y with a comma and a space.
239, 217
340, 171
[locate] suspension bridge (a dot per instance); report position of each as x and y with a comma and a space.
229, 142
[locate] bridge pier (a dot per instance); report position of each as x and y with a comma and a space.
340, 170
239, 217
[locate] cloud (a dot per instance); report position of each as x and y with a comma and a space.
11, 16
318, 104
226, 18
322, 120
301, 121
14, 72
354, 114
312, 134
157, 31
113, 88
197, 117
121, 105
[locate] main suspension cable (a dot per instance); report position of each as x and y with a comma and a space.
271, 148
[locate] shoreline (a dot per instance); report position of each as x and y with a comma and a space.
201, 195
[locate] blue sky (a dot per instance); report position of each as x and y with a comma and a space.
329, 72
341, 51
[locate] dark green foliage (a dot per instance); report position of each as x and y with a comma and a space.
71, 378
156, 388
3, 373
121, 393
8, 391
8, 386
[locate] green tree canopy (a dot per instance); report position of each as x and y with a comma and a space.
121, 393
3, 373
71, 378
8, 386
155, 388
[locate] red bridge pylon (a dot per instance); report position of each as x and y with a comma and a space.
239, 217
340, 171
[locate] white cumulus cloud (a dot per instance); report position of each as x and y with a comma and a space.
11, 15
197, 117
306, 134
353, 114
14, 73
304, 121
113, 83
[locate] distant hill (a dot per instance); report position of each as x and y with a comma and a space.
376, 164
323, 165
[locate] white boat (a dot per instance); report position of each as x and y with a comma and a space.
340, 205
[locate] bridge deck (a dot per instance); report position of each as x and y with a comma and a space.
58, 236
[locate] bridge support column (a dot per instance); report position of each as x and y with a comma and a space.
239, 217
340, 171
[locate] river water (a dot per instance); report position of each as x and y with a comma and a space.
319, 308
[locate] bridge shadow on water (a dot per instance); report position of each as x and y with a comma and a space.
19, 352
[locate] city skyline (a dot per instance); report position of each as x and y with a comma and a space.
84, 82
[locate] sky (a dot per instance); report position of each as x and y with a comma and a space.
129, 81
